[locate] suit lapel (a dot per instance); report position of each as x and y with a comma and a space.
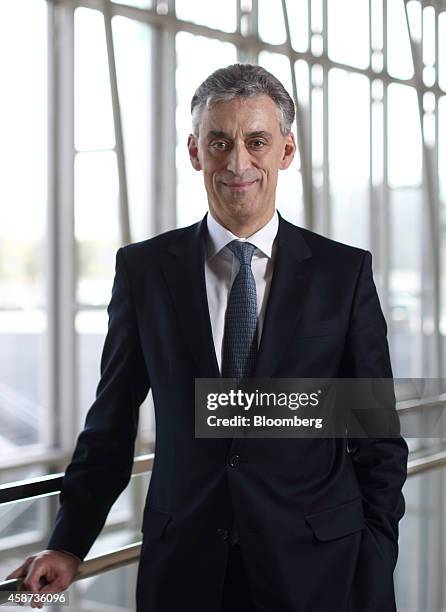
185, 277
289, 287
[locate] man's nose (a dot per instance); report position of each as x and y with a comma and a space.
239, 159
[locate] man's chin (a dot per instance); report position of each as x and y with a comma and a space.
243, 208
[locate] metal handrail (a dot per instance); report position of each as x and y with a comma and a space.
130, 553
92, 567
425, 464
42, 486
50, 484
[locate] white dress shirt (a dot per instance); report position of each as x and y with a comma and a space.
222, 266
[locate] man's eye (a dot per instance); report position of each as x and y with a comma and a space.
258, 144
220, 145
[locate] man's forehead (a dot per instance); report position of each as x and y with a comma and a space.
251, 116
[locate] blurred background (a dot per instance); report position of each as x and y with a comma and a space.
94, 118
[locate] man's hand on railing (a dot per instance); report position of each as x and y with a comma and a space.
49, 571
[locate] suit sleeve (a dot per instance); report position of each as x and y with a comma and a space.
102, 461
380, 463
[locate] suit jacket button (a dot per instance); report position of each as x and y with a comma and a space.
224, 534
234, 460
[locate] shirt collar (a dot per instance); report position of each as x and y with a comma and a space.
262, 239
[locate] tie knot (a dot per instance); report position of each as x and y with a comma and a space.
242, 250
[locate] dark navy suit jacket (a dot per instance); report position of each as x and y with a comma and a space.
318, 518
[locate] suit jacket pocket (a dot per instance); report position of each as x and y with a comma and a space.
336, 522
154, 522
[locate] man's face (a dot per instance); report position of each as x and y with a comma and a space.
240, 150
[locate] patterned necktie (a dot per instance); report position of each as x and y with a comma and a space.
240, 333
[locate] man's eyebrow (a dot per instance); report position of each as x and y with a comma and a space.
259, 133
217, 134
221, 134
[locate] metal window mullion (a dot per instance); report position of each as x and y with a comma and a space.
440, 478
378, 224
164, 130
171, 22
52, 258
63, 218
326, 190
437, 190
306, 131
385, 249
58, 358
429, 205
372, 200
437, 48
431, 199
239, 28
305, 161
61, 242
124, 219
246, 51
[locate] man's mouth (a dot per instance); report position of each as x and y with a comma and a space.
242, 186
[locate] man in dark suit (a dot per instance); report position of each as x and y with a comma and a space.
271, 525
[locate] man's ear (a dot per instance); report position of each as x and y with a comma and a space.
192, 145
289, 151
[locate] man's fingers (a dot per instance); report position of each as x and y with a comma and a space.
37, 576
21, 570
47, 572
17, 573
58, 585
55, 586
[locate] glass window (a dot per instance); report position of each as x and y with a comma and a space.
23, 230
22, 522
271, 23
111, 590
91, 328
303, 84
442, 50
298, 19
414, 13
419, 577
197, 58
377, 24
96, 225
349, 157
442, 146
377, 134
399, 57
317, 132
133, 47
404, 136
93, 108
405, 206
317, 15
144, 4
279, 66
429, 35
442, 189
289, 195
348, 32
218, 15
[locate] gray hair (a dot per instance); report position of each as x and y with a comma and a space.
243, 81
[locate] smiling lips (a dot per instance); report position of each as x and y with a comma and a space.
240, 186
